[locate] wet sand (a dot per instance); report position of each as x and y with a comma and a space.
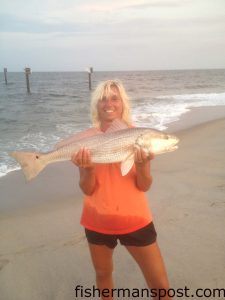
43, 252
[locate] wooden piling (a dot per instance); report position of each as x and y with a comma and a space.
27, 73
90, 71
5, 74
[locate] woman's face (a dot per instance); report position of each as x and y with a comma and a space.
110, 107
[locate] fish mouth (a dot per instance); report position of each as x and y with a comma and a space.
174, 139
171, 149
175, 147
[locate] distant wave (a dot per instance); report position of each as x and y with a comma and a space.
62, 95
215, 96
57, 95
199, 86
161, 113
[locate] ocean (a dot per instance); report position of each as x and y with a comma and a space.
59, 104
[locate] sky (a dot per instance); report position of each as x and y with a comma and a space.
70, 35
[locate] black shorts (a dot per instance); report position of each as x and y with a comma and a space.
141, 237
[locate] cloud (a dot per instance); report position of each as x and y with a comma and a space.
10, 23
92, 12
106, 6
121, 33
152, 4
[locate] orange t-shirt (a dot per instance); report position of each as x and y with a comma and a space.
116, 206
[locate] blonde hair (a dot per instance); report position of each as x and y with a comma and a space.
104, 90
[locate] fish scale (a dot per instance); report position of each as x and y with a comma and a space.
105, 148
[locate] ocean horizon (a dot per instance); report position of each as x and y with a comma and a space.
125, 70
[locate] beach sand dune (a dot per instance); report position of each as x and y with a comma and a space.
44, 254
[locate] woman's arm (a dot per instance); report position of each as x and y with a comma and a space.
82, 159
142, 163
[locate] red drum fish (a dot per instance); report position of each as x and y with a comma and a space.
117, 144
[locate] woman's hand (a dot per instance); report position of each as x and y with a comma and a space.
82, 159
142, 163
141, 158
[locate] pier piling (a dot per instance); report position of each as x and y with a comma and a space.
27, 73
5, 74
90, 71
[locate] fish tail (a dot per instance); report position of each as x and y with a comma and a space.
30, 162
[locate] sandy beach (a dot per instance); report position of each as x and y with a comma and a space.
43, 251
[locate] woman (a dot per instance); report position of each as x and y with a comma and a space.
115, 207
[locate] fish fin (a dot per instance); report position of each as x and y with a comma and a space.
116, 125
78, 136
127, 164
30, 163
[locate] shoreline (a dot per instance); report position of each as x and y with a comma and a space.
44, 253
192, 118
196, 116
